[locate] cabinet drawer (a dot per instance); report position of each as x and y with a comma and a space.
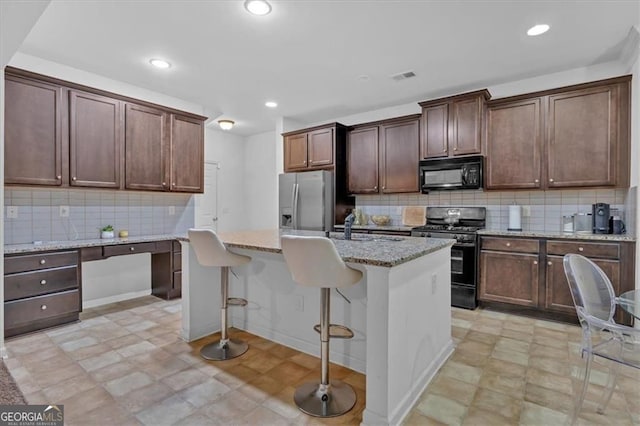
177, 261
21, 312
163, 246
129, 249
27, 284
519, 245
601, 250
34, 262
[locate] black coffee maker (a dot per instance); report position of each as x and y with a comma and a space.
600, 218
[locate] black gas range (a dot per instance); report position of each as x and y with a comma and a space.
460, 224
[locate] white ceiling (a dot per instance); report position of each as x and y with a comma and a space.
307, 54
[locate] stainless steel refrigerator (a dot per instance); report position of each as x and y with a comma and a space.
306, 200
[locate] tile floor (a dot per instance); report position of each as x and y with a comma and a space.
125, 364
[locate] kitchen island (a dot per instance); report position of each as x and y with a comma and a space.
400, 311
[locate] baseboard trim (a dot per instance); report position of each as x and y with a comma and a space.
113, 299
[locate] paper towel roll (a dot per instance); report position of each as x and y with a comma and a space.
515, 218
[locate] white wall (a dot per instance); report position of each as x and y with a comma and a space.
229, 151
261, 180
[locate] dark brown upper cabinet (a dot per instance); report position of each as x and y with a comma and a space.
146, 148
382, 157
95, 140
452, 126
571, 137
33, 132
60, 133
310, 149
187, 154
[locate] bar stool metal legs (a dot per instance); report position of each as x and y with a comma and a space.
324, 398
224, 348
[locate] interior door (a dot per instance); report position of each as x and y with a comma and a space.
207, 202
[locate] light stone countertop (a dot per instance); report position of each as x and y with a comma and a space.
378, 250
557, 235
72, 244
377, 228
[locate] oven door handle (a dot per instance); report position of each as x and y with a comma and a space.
464, 245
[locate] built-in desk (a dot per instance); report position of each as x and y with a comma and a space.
43, 282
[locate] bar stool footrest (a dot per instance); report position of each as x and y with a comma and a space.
236, 301
336, 331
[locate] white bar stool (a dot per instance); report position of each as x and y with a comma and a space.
315, 262
210, 251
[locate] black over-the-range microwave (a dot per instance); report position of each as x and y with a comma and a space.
451, 173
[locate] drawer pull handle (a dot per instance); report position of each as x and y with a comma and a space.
74, 178
43, 261
43, 307
551, 180
535, 262
549, 263
132, 248
508, 244
43, 282
59, 177
536, 180
580, 248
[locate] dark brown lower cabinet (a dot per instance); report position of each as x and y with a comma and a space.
166, 272
511, 277
41, 290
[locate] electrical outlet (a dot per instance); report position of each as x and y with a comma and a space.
172, 210
298, 303
12, 212
434, 283
64, 211
526, 211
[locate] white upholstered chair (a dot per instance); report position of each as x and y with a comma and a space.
315, 262
210, 251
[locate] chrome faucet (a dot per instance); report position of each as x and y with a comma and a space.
348, 223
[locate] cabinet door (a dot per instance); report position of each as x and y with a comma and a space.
295, 152
362, 160
435, 131
95, 137
509, 277
320, 148
32, 138
466, 131
399, 144
582, 138
557, 292
187, 154
514, 133
145, 148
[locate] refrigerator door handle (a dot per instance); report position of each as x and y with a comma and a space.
294, 195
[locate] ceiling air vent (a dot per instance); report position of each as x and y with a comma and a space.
403, 75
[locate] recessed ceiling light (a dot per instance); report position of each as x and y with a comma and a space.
257, 7
271, 104
226, 124
160, 63
538, 29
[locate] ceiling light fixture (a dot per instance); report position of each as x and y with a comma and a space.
226, 124
160, 63
271, 104
257, 7
538, 29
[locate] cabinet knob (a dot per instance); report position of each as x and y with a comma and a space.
550, 180
74, 178
43, 261
43, 282
375, 187
455, 149
549, 263
444, 150
508, 244
536, 180
43, 307
535, 262
384, 187
174, 184
164, 183
59, 177
304, 162
580, 248
132, 248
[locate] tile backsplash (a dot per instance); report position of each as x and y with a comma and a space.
546, 207
141, 213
